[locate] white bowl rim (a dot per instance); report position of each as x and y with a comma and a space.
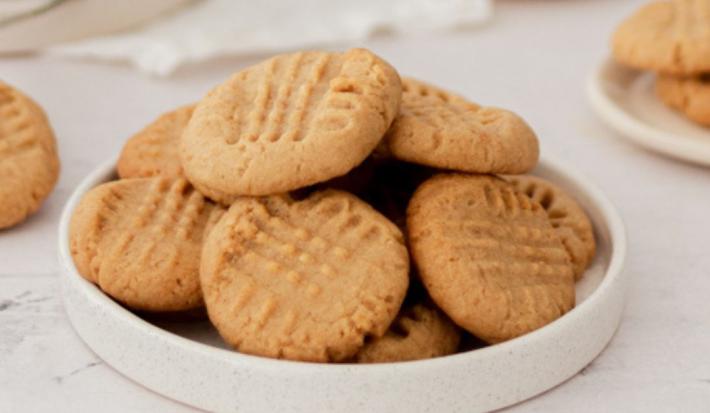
614, 271
635, 130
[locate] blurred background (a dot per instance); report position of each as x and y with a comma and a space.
158, 36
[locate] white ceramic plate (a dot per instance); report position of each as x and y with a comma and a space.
625, 99
188, 362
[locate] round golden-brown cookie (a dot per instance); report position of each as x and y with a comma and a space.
303, 280
671, 37
140, 241
691, 96
439, 129
29, 164
420, 331
289, 122
154, 150
566, 216
488, 256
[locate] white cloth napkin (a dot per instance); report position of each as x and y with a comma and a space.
219, 27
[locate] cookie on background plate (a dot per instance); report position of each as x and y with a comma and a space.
303, 280
291, 121
140, 241
154, 150
29, 163
439, 129
566, 216
668, 36
690, 96
488, 256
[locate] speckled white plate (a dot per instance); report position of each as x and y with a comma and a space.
188, 362
625, 99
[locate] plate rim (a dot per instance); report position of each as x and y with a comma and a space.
635, 130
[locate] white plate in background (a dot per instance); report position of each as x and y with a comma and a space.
36, 24
187, 361
625, 99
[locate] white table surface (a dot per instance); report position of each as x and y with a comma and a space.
533, 57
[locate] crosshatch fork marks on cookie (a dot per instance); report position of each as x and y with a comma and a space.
29, 165
440, 129
566, 217
289, 122
521, 237
284, 97
16, 126
142, 239
306, 279
518, 273
168, 210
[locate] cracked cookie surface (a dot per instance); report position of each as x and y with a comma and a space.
439, 129
303, 280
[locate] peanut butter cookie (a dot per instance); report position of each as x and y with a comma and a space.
671, 37
29, 164
439, 129
690, 96
140, 241
154, 150
303, 280
566, 216
420, 331
289, 122
488, 256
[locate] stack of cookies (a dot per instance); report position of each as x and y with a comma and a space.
323, 209
671, 38
29, 164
